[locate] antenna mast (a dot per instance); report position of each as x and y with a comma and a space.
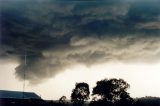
25, 69
24, 76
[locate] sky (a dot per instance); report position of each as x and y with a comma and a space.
69, 41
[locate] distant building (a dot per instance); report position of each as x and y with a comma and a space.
4, 94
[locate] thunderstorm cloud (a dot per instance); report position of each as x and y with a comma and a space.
58, 34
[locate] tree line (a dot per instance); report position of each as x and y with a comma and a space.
107, 92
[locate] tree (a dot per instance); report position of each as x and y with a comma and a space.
112, 91
80, 93
62, 100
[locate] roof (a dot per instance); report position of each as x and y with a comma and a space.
18, 95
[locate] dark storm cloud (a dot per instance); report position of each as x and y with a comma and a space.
59, 34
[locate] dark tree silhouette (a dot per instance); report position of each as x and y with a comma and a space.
112, 91
80, 93
125, 99
62, 100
